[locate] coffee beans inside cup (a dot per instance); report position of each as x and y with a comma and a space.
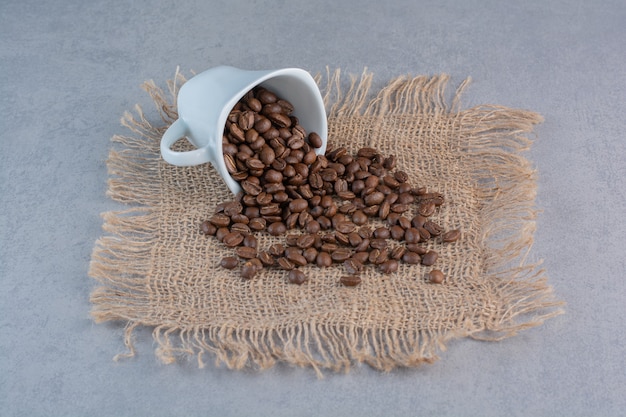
337, 210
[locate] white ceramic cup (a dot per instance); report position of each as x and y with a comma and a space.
205, 101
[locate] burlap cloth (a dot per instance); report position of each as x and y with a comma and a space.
155, 269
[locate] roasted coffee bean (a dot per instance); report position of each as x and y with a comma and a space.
350, 280
276, 249
291, 240
262, 125
341, 254
396, 232
264, 199
229, 161
266, 96
221, 232
418, 221
298, 205
250, 241
373, 256
270, 209
391, 198
383, 256
363, 246
399, 208
436, 276
257, 224
220, 220
265, 258
295, 143
359, 218
240, 218
315, 140
414, 247
246, 252
374, 198
390, 162
430, 258
362, 257
229, 262
384, 210
310, 254
389, 266
347, 208
371, 210
365, 232
352, 266
249, 270
451, 235
273, 176
276, 229
411, 235
254, 104
372, 181
354, 239
325, 222
392, 219
233, 239
397, 253
405, 198
382, 233
251, 188
424, 234
390, 181
367, 152
246, 120
433, 228
305, 241
208, 228
295, 257
303, 218
401, 176
272, 108
285, 264
426, 208
411, 258
324, 259
296, 276
345, 226
403, 222
328, 174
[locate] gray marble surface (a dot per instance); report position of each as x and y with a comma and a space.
69, 69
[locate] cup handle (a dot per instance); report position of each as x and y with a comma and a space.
177, 130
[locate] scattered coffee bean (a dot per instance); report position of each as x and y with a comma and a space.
436, 276
451, 236
350, 280
296, 276
229, 262
330, 197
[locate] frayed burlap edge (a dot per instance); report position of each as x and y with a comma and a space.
493, 138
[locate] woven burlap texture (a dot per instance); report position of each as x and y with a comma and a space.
156, 269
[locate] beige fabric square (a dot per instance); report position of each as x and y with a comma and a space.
156, 269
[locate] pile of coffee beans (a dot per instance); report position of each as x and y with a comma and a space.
333, 210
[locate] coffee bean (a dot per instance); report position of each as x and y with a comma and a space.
350, 280
340, 254
233, 239
382, 233
401, 176
411, 235
265, 258
367, 152
276, 249
451, 235
324, 259
396, 232
229, 262
378, 243
397, 252
418, 221
430, 258
424, 234
345, 226
208, 228
221, 232
390, 181
251, 188
315, 140
310, 254
296, 276
389, 266
276, 229
405, 198
250, 241
296, 257
411, 258
414, 247
246, 252
436, 276
220, 220
305, 241
403, 222
352, 266
374, 198
426, 208
240, 218
249, 270
264, 199
389, 162
266, 96
254, 104
399, 208
362, 257
285, 264
298, 205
